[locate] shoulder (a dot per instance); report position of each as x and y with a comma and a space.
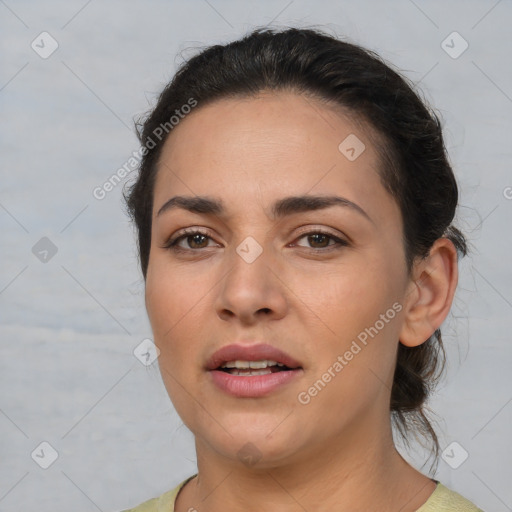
443, 499
163, 503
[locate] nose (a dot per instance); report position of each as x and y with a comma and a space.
251, 291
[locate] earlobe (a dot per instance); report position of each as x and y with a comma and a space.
430, 294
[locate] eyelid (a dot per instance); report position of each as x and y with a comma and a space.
339, 241
183, 233
322, 229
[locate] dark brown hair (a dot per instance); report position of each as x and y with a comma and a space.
405, 131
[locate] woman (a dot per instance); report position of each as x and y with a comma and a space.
294, 208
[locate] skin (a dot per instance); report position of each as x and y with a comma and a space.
336, 452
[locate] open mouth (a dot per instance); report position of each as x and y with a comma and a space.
252, 371
253, 368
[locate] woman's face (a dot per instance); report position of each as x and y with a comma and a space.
322, 283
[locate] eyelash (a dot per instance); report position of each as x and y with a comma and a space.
172, 244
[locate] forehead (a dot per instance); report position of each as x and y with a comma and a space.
269, 145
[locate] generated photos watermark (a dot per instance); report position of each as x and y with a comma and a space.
101, 191
304, 397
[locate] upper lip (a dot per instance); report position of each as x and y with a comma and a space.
258, 352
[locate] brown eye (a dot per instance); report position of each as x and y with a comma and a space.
197, 240
194, 240
318, 240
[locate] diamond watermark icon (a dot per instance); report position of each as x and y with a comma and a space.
249, 250
44, 250
249, 454
454, 455
44, 455
351, 147
44, 45
146, 352
454, 45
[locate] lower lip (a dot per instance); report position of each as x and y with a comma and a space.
254, 386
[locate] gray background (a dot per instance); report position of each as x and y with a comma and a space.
68, 326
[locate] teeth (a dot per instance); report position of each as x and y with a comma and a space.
245, 365
261, 364
250, 373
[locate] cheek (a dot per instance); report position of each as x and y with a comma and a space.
353, 317
345, 299
176, 307
175, 296
176, 304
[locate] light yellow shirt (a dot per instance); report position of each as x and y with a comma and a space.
442, 499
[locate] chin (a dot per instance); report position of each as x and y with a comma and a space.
255, 444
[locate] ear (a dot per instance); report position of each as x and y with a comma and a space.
430, 293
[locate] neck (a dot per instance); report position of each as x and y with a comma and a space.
344, 476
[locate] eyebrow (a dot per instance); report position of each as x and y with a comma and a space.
281, 208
